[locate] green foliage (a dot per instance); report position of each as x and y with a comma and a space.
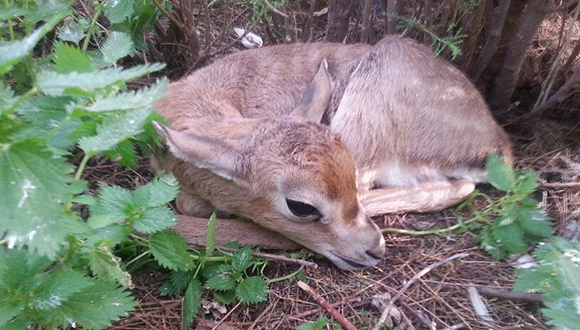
557, 277
321, 323
518, 222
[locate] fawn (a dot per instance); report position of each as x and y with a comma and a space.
309, 140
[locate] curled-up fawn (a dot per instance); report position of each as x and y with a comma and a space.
309, 140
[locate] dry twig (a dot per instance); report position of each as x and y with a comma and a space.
387, 309
327, 306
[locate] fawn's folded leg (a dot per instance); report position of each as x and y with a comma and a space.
424, 197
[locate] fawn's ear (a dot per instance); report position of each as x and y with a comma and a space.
202, 151
316, 98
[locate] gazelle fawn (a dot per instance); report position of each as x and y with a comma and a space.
308, 140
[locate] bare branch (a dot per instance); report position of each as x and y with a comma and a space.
558, 97
166, 13
367, 24
327, 306
517, 296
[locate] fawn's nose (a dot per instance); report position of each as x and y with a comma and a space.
378, 251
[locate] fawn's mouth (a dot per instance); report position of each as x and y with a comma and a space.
349, 262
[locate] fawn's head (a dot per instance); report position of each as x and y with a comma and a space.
290, 175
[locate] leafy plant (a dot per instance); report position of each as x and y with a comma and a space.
225, 274
557, 277
321, 323
519, 221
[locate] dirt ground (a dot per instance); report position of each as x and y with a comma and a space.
440, 296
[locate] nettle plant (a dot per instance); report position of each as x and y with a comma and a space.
59, 100
514, 221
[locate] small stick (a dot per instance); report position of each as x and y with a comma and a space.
277, 258
411, 281
426, 322
274, 9
356, 302
560, 184
502, 294
327, 306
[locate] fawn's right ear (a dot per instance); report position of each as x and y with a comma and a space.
317, 96
202, 151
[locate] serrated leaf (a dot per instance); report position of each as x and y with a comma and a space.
531, 280
114, 234
178, 281
191, 303
85, 200
130, 100
72, 30
56, 288
72, 83
159, 191
117, 46
7, 98
12, 12
118, 11
106, 266
511, 238
96, 306
534, 222
8, 310
34, 186
242, 259
12, 52
210, 242
225, 297
115, 130
70, 59
252, 290
222, 280
170, 250
528, 182
124, 153
154, 220
113, 200
499, 174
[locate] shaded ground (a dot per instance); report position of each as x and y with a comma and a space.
439, 296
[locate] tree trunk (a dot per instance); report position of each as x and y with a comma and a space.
475, 29
505, 83
492, 39
339, 12
367, 23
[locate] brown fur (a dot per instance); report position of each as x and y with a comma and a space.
246, 135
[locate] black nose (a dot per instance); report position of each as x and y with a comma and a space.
371, 254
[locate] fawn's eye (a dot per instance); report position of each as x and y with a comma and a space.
302, 210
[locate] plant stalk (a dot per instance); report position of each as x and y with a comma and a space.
81, 167
91, 27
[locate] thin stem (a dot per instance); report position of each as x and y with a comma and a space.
10, 28
31, 92
91, 27
286, 277
137, 258
81, 167
429, 232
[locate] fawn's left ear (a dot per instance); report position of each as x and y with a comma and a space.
202, 151
317, 97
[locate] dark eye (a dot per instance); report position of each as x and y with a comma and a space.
300, 209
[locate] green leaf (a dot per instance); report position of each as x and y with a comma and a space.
115, 130
225, 297
8, 311
533, 279
252, 290
191, 303
528, 183
170, 250
70, 59
72, 30
12, 12
7, 98
534, 222
159, 191
154, 220
222, 280
53, 83
142, 98
113, 200
124, 153
56, 288
117, 46
242, 259
118, 11
34, 186
12, 52
106, 266
499, 174
96, 306
511, 238
178, 281
210, 243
